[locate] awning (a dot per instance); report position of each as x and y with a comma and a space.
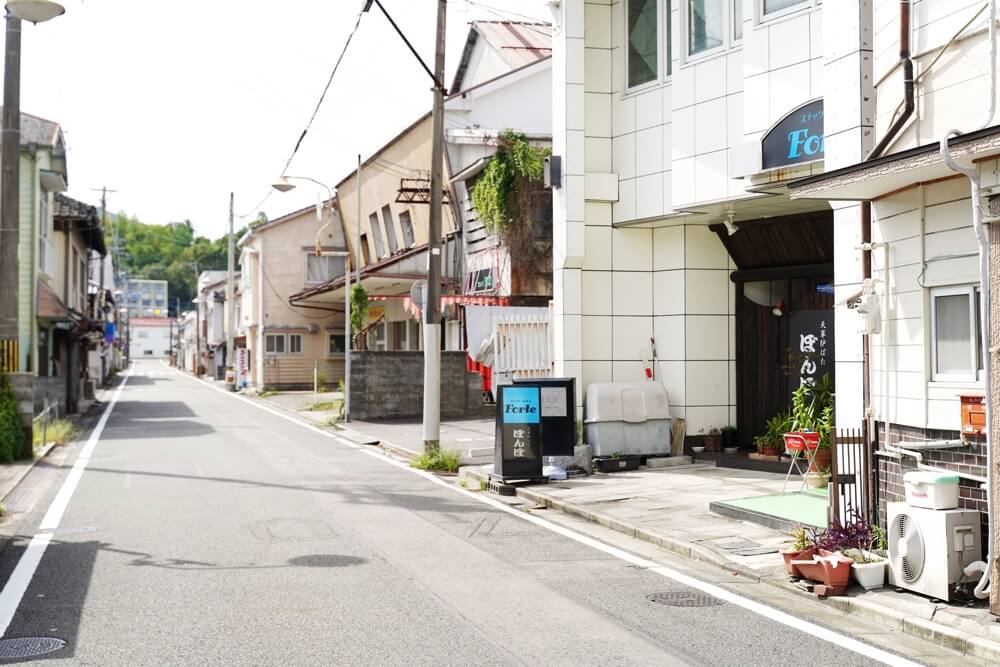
49, 306
868, 181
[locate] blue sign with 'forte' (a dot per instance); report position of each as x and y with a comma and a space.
521, 405
795, 139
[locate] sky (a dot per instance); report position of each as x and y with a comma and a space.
173, 105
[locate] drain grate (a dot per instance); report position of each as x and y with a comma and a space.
28, 647
689, 598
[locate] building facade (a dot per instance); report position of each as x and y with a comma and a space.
146, 298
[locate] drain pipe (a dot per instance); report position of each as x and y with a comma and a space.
897, 452
907, 63
982, 588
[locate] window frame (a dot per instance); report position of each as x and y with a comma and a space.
288, 344
762, 18
329, 344
377, 239
275, 337
409, 240
392, 242
975, 343
311, 254
663, 66
729, 40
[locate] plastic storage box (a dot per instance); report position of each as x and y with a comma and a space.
933, 490
627, 418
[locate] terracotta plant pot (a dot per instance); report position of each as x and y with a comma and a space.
773, 451
822, 461
788, 555
828, 567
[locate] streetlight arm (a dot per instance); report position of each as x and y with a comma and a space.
329, 200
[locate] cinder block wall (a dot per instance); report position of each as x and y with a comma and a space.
390, 385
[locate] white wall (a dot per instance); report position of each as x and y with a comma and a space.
155, 340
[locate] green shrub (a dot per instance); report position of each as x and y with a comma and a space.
446, 460
12, 440
60, 431
321, 380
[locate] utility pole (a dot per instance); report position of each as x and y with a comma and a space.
432, 309
230, 298
352, 262
9, 209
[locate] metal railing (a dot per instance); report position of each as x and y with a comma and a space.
850, 475
42, 421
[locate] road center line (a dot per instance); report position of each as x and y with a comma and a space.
24, 571
770, 613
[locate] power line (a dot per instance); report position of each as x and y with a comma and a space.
255, 209
326, 88
505, 13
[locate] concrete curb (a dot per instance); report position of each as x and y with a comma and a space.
943, 635
17, 479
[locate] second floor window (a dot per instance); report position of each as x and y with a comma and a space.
377, 235
706, 25
406, 224
322, 268
643, 42
957, 352
390, 230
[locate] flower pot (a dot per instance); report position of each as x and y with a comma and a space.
730, 440
869, 575
822, 461
617, 464
697, 450
713, 442
730, 450
828, 567
816, 480
788, 555
769, 451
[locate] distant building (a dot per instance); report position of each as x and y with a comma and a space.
150, 337
146, 298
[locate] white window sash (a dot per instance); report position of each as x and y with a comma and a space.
962, 290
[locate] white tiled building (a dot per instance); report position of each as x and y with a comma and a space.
667, 114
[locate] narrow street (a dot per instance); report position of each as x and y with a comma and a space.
208, 530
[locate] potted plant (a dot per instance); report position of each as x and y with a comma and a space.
832, 568
812, 422
869, 560
766, 446
730, 441
713, 440
799, 547
818, 479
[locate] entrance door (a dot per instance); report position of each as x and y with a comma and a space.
768, 365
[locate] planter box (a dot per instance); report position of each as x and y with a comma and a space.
828, 567
789, 555
618, 464
870, 575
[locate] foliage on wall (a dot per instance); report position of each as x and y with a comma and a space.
12, 441
359, 312
506, 195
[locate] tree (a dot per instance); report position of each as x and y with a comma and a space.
12, 440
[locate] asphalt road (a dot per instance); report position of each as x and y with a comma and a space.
206, 530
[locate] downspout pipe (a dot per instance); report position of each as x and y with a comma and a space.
908, 96
896, 452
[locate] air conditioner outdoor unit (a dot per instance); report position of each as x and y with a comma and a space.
928, 549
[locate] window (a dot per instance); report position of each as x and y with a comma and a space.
377, 235
957, 342
336, 344
775, 6
407, 226
643, 42
400, 339
274, 343
390, 230
322, 268
294, 343
737, 20
365, 252
706, 25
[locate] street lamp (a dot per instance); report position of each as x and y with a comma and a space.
35, 11
284, 184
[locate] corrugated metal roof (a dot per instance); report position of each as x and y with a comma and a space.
518, 43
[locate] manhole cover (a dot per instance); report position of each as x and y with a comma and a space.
690, 598
27, 647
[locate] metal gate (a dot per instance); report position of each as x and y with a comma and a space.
522, 347
850, 475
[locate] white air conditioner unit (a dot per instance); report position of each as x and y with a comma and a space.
928, 549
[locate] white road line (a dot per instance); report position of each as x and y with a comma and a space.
753, 606
13, 591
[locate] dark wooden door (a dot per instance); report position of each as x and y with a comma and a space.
763, 353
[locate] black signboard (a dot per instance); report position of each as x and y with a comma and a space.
518, 452
796, 139
558, 413
811, 342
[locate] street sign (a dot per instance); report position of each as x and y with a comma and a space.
558, 414
518, 450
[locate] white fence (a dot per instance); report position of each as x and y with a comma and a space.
522, 346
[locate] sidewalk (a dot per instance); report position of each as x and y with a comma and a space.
670, 508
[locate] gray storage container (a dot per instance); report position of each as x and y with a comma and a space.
628, 418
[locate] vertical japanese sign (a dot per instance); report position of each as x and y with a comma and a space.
811, 342
519, 432
241, 367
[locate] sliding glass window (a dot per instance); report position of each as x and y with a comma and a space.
706, 22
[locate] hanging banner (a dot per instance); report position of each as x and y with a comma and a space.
811, 347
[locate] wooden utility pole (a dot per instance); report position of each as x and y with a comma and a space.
432, 309
9, 208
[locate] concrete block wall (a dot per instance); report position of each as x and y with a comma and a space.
389, 385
